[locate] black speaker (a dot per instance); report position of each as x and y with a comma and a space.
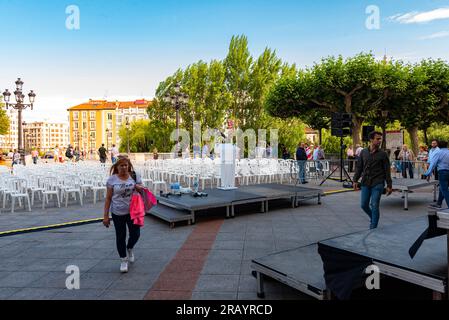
366, 130
341, 124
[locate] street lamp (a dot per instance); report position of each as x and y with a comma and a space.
127, 132
107, 139
19, 106
178, 100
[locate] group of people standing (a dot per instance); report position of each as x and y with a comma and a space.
305, 153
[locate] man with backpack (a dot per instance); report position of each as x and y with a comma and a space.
103, 153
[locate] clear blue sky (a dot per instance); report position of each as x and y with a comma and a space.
125, 48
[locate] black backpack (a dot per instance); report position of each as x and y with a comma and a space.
68, 153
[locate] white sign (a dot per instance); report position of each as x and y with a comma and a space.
394, 139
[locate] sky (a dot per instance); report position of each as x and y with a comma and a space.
122, 49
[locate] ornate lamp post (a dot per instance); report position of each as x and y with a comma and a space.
178, 100
19, 106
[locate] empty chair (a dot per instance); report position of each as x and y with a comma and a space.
20, 191
51, 189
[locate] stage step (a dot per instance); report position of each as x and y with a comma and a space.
171, 215
299, 268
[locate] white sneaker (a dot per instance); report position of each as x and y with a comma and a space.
124, 265
131, 256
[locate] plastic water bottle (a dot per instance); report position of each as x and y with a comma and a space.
195, 184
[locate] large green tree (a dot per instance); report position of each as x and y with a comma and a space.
4, 119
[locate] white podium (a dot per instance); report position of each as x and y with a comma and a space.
227, 152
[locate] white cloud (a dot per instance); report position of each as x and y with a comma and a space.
441, 34
421, 17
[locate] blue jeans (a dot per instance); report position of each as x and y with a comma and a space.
370, 202
443, 178
114, 160
301, 170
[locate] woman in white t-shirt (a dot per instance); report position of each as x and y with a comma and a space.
120, 187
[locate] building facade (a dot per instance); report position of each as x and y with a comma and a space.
10, 141
45, 136
98, 122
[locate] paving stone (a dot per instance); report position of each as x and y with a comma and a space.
123, 295
199, 295
217, 283
35, 294
221, 267
20, 279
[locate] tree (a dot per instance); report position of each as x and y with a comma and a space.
238, 68
145, 135
4, 119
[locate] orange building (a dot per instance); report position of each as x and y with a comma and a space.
99, 121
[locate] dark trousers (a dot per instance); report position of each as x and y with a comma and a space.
102, 160
407, 165
351, 161
443, 176
120, 223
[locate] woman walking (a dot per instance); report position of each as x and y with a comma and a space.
120, 187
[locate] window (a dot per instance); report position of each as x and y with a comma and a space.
92, 115
75, 115
84, 114
84, 125
92, 125
110, 116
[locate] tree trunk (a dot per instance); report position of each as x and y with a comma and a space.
413, 132
356, 131
384, 138
426, 139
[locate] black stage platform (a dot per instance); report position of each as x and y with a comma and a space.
344, 260
179, 208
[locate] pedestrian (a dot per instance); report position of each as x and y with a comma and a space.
205, 151
56, 153
155, 154
432, 152
69, 153
351, 158
114, 154
76, 154
285, 153
269, 151
16, 157
373, 167
440, 162
120, 187
301, 159
196, 151
103, 153
397, 162
34, 155
422, 157
318, 156
407, 157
